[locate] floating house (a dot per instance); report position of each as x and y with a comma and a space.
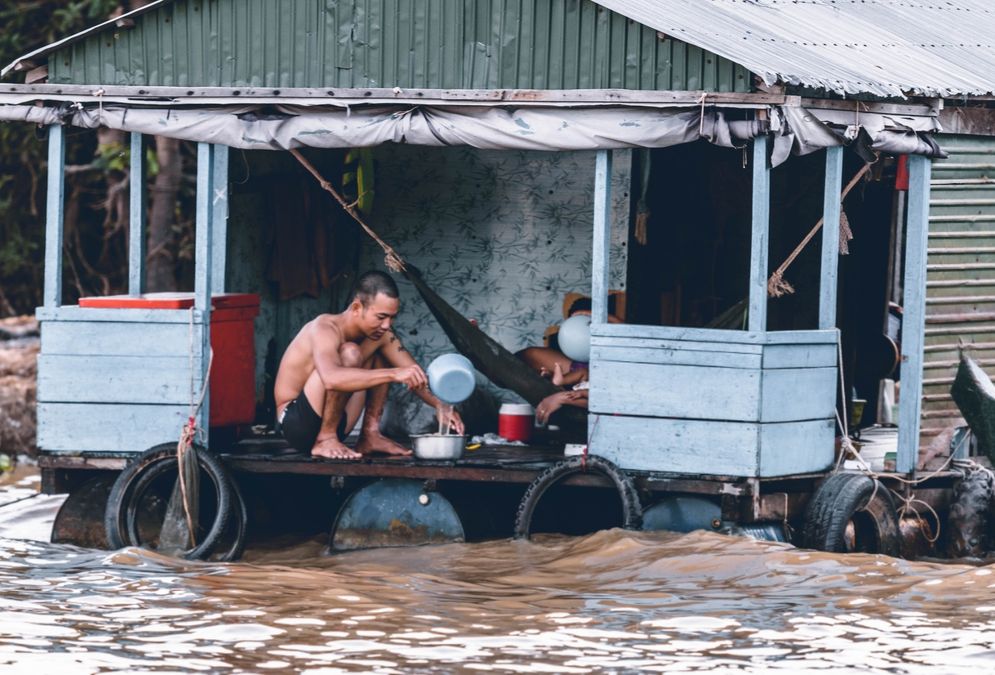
673, 155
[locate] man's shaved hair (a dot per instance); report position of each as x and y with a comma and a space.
371, 283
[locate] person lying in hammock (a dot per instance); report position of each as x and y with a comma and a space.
339, 364
562, 370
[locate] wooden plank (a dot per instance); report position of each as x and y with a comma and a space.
676, 446
602, 237
759, 239
118, 339
797, 447
167, 95
670, 356
73, 313
110, 427
204, 235
714, 335
54, 213
136, 213
792, 394
116, 379
219, 220
204, 259
689, 392
830, 236
799, 356
914, 318
657, 343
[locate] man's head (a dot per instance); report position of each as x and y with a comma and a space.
375, 303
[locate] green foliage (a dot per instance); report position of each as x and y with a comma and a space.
27, 25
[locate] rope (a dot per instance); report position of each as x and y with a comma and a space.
776, 284
907, 501
393, 261
189, 432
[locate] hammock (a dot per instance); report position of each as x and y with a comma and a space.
495, 362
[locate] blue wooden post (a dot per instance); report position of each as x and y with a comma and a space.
602, 236
759, 245
203, 275
55, 207
914, 313
830, 236
219, 221
136, 213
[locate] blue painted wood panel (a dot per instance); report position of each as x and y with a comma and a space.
693, 392
914, 316
69, 427
117, 338
715, 335
712, 393
116, 379
54, 211
674, 356
789, 394
712, 448
797, 447
136, 213
799, 356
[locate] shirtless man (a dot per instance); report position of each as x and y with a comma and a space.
340, 363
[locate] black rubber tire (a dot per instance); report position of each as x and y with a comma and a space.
968, 526
136, 475
632, 509
846, 498
231, 543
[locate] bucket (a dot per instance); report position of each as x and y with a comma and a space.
451, 379
515, 421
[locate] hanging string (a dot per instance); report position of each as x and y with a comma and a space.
393, 261
777, 285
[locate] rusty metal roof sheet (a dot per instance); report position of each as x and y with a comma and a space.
881, 47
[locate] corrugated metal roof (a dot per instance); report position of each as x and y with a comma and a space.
415, 44
882, 47
43, 52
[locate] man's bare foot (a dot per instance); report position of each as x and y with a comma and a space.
376, 442
332, 448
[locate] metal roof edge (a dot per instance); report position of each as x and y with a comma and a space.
140, 95
58, 44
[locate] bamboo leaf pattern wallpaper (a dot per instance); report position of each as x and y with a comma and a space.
503, 236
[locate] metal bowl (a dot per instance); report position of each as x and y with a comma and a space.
438, 446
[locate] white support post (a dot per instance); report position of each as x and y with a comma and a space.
202, 267
759, 240
914, 313
54, 214
830, 236
136, 214
219, 221
602, 237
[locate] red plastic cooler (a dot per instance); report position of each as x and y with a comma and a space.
233, 371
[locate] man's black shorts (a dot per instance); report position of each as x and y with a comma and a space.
300, 424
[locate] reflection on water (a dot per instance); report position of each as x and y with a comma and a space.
613, 600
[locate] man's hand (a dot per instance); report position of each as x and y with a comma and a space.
413, 377
448, 417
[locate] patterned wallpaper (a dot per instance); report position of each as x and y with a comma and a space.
502, 236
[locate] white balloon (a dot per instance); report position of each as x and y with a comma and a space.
575, 338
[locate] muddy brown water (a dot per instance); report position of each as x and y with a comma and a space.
611, 601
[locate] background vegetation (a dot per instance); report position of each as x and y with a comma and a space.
95, 253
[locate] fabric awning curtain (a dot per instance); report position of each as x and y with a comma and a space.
796, 130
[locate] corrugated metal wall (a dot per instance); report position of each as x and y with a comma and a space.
429, 44
960, 282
